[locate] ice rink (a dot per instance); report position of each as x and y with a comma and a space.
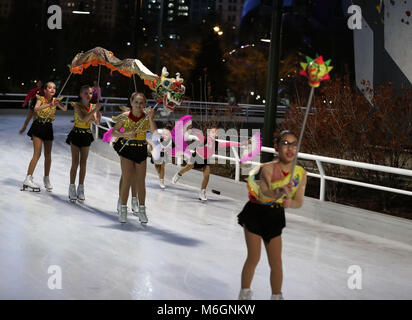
189, 250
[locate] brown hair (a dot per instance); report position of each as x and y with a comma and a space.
86, 86
283, 133
47, 83
135, 94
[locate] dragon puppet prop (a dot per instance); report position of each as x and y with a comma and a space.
101, 57
168, 91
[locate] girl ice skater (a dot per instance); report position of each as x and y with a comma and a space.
200, 157
80, 139
132, 149
263, 217
107, 137
41, 132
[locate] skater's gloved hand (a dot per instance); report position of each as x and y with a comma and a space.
284, 190
150, 113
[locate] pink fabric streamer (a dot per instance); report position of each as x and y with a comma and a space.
254, 148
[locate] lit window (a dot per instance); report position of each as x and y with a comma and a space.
170, 12
169, 18
170, 5
185, 8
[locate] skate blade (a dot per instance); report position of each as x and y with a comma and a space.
49, 190
72, 200
30, 189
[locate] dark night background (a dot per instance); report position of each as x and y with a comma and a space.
32, 51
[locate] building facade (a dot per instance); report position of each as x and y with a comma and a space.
230, 11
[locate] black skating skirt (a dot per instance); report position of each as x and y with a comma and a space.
42, 130
263, 220
80, 137
135, 150
198, 162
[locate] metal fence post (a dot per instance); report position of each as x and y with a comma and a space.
322, 180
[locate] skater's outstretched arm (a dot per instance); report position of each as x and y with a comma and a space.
30, 114
152, 124
61, 105
84, 117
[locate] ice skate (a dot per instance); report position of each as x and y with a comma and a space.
176, 178
72, 193
162, 184
123, 214
47, 184
202, 195
80, 192
118, 205
29, 184
142, 215
245, 294
277, 297
135, 205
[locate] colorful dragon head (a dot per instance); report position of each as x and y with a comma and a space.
169, 91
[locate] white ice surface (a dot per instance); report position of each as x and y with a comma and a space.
189, 250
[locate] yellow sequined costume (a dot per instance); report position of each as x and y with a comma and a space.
134, 149
257, 195
81, 134
46, 114
42, 125
263, 215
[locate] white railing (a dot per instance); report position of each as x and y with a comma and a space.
200, 109
319, 160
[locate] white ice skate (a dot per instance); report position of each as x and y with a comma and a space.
176, 178
202, 195
123, 214
28, 183
80, 192
245, 294
135, 205
47, 184
118, 205
277, 297
72, 193
142, 215
162, 184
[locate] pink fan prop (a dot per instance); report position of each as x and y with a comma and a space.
253, 148
178, 134
107, 137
